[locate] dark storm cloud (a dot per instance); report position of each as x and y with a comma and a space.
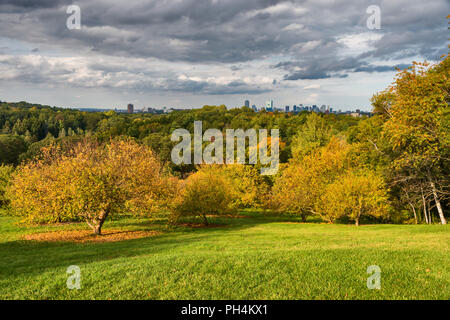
375, 68
24, 6
303, 34
213, 89
226, 31
330, 67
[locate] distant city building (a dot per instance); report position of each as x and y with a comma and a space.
247, 103
154, 111
254, 108
269, 105
130, 108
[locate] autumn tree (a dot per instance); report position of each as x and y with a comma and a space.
417, 128
353, 195
298, 188
89, 182
205, 193
248, 184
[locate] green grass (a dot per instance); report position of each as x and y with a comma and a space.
248, 258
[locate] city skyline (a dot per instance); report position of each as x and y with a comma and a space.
269, 106
191, 53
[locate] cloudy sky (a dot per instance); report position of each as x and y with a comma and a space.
188, 53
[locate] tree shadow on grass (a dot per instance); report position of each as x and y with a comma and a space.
35, 257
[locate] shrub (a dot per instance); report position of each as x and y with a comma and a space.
89, 182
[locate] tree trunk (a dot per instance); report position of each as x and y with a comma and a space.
98, 223
425, 208
411, 204
430, 213
205, 220
438, 203
414, 210
359, 213
303, 217
98, 229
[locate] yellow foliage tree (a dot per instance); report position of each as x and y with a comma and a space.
250, 187
88, 182
300, 185
417, 128
352, 195
205, 193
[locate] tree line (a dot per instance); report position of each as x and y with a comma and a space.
64, 165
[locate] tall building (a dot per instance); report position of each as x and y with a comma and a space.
247, 103
286, 109
130, 108
254, 108
269, 105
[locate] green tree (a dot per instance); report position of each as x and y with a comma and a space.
5, 178
11, 147
313, 134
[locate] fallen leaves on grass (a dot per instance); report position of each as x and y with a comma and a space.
199, 225
87, 236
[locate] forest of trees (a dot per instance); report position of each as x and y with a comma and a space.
390, 167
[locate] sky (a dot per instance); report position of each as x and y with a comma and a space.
190, 53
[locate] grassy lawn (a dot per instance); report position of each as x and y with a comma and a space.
256, 257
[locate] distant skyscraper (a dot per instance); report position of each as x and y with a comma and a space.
269, 105
286, 108
130, 108
254, 108
247, 103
